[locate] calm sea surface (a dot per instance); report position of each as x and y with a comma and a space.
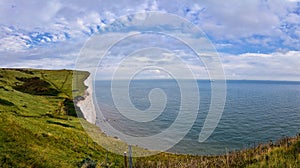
255, 112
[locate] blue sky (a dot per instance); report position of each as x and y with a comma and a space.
256, 39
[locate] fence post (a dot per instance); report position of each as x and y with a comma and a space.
227, 157
130, 156
106, 159
125, 159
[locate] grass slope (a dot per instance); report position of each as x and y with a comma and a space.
38, 129
34, 128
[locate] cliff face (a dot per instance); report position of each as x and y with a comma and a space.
86, 106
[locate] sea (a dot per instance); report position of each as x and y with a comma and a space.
255, 112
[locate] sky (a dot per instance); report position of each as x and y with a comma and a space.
255, 39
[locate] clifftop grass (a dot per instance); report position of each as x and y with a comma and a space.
38, 129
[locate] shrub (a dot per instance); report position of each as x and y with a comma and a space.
88, 163
71, 109
24, 71
35, 86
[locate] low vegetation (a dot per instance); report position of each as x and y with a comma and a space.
39, 127
5, 102
35, 86
284, 153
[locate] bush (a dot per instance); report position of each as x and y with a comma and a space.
71, 109
23, 79
88, 163
24, 71
36, 86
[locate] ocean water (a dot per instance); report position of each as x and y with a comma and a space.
255, 112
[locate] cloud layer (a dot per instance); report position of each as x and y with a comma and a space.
257, 39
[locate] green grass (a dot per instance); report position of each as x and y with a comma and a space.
42, 130
34, 132
284, 153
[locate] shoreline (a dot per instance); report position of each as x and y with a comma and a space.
87, 105
89, 112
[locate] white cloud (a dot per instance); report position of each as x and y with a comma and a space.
293, 18
44, 63
78, 18
12, 43
293, 0
235, 19
273, 66
61, 28
28, 14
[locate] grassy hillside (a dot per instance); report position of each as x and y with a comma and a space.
39, 128
284, 153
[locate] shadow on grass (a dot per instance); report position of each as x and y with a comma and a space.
60, 124
6, 102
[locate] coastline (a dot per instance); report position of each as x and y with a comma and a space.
260, 150
87, 105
